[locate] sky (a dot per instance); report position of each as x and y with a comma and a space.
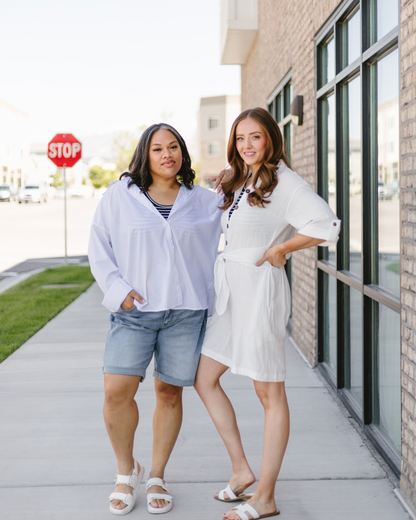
95, 66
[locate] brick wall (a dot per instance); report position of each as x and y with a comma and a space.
408, 278
286, 41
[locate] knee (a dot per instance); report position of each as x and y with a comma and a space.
168, 395
204, 385
115, 395
271, 397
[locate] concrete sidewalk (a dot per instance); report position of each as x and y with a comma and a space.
57, 462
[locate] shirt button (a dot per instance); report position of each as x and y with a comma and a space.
236, 207
226, 243
247, 191
228, 226
335, 223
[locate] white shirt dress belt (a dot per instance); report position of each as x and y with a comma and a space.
247, 257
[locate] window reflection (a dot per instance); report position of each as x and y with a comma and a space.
330, 322
387, 16
354, 37
328, 62
388, 173
354, 351
388, 390
355, 205
331, 166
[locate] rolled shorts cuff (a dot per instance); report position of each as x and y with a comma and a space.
123, 371
173, 380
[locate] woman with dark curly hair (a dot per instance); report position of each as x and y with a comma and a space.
269, 212
153, 244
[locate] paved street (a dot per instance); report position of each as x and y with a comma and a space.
57, 462
37, 230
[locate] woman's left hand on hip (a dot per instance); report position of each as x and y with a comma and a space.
275, 256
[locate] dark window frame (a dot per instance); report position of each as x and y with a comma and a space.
372, 295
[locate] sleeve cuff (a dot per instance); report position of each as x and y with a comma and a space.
116, 295
325, 230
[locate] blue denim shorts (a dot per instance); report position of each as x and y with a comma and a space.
174, 337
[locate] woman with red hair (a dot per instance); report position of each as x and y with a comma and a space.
268, 212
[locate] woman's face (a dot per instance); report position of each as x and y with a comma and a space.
251, 142
165, 155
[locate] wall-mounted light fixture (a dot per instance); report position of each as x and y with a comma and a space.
296, 110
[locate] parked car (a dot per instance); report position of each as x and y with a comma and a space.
385, 192
6, 193
32, 193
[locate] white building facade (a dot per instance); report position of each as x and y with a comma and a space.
215, 117
14, 145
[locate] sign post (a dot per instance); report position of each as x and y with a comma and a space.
64, 150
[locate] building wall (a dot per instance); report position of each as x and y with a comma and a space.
286, 41
14, 145
408, 268
226, 108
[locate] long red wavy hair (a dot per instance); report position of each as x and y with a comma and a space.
274, 152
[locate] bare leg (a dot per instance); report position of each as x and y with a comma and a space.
121, 417
167, 421
222, 413
276, 436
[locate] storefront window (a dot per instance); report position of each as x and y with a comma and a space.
354, 154
388, 173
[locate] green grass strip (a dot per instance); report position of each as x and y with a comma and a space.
26, 307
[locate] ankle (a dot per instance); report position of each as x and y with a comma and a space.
126, 467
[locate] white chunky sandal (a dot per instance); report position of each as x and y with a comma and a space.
155, 496
244, 508
232, 497
129, 499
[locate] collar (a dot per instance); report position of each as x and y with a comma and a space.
182, 196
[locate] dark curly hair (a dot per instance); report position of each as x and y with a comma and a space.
139, 171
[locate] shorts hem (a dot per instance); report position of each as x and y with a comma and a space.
264, 378
173, 380
125, 372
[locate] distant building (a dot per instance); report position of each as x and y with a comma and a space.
14, 145
215, 117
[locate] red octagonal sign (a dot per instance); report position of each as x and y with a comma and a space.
64, 150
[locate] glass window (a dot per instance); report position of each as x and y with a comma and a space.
328, 187
355, 204
213, 122
327, 56
330, 321
387, 16
388, 181
279, 108
354, 37
387, 406
213, 149
354, 345
287, 98
288, 133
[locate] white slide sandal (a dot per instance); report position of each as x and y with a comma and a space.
158, 496
129, 499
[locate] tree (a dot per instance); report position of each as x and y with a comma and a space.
57, 180
124, 145
101, 178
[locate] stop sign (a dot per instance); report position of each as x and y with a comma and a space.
64, 150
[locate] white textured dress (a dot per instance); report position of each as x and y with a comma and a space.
252, 304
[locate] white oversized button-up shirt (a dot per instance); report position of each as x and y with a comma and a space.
170, 263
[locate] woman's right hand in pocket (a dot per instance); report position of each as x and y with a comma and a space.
128, 303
